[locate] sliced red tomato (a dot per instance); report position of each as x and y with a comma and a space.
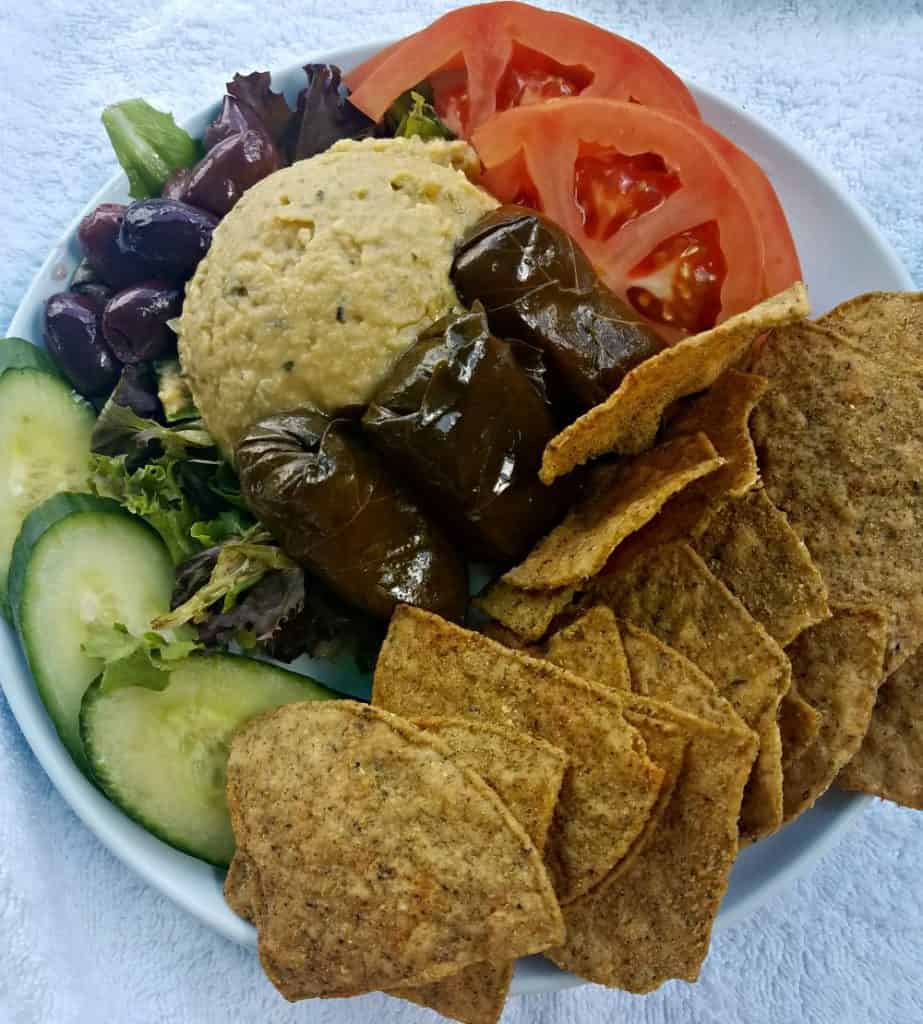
359, 74
650, 200
497, 56
782, 266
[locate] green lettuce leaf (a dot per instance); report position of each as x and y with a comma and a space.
132, 660
418, 117
226, 486
153, 492
121, 431
238, 566
149, 144
230, 523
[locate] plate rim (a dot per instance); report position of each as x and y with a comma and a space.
81, 796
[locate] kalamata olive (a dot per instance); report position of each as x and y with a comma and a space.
175, 186
137, 390
84, 274
135, 321
169, 235
86, 282
235, 117
97, 292
222, 176
74, 337
98, 236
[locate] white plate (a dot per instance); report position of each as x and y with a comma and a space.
842, 254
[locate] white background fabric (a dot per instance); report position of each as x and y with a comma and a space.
81, 938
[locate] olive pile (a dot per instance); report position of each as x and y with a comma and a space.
126, 289
137, 258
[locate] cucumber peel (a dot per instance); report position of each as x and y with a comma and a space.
81, 562
161, 754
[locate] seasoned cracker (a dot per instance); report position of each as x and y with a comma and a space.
670, 592
627, 422
837, 665
590, 647
621, 498
799, 723
750, 546
723, 414
652, 920
840, 441
526, 774
890, 324
527, 613
889, 762
662, 673
428, 666
241, 888
381, 862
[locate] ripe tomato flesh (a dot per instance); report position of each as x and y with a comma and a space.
504, 55
611, 188
534, 77
679, 283
781, 264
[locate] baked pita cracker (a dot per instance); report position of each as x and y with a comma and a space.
750, 546
670, 592
428, 666
840, 441
889, 763
627, 422
526, 774
621, 498
617, 654
241, 888
837, 665
888, 323
723, 414
652, 920
661, 673
590, 647
799, 723
527, 613
366, 835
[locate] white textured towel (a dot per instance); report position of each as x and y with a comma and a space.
81, 938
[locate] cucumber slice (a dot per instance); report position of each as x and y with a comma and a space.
161, 755
78, 561
19, 354
44, 446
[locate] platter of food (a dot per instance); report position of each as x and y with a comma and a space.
461, 506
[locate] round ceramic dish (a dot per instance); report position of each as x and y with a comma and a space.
842, 254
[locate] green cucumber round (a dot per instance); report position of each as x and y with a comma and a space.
161, 755
80, 561
45, 431
19, 354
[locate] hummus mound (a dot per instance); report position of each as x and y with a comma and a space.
321, 276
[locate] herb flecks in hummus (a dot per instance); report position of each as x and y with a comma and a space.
322, 275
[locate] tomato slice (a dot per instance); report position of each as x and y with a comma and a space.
782, 266
359, 74
645, 194
499, 56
